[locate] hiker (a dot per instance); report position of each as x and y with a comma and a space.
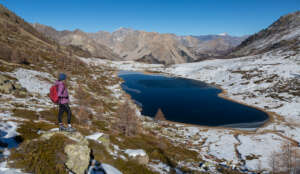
63, 103
96, 168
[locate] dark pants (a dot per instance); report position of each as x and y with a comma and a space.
64, 108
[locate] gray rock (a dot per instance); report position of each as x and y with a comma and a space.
105, 141
8, 86
136, 155
78, 157
144, 160
196, 137
167, 132
78, 153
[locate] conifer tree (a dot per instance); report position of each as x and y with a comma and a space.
159, 116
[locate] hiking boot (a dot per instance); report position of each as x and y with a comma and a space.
62, 128
70, 129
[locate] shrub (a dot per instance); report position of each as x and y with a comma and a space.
52, 114
102, 125
27, 114
29, 130
41, 156
130, 166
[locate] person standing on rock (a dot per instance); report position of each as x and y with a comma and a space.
63, 103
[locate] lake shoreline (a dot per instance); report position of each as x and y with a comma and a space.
222, 95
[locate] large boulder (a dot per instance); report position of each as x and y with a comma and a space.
78, 153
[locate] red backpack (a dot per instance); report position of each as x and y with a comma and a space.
53, 94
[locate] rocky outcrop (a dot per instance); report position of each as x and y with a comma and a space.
8, 85
78, 152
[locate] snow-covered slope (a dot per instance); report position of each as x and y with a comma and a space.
265, 81
268, 81
283, 34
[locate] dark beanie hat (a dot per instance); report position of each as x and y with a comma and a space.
62, 76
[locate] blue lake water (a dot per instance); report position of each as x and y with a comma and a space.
188, 101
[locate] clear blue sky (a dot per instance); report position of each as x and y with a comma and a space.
182, 17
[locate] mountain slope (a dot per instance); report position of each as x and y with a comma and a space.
79, 39
143, 46
30, 141
154, 47
19, 39
211, 45
22, 43
268, 81
150, 47
283, 33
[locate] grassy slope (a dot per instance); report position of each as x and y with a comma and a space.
21, 46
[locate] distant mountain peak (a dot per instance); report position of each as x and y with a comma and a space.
78, 31
223, 34
124, 29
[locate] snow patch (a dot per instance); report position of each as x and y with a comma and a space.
160, 167
110, 169
134, 153
262, 146
95, 136
8, 129
33, 80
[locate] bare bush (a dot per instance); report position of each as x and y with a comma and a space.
285, 161
127, 123
71, 64
84, 115
5, 52
14, 57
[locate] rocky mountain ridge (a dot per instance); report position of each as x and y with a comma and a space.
79, 39
150, 47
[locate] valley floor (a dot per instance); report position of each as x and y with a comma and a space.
270, 82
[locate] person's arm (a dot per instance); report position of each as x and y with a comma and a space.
60, 89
